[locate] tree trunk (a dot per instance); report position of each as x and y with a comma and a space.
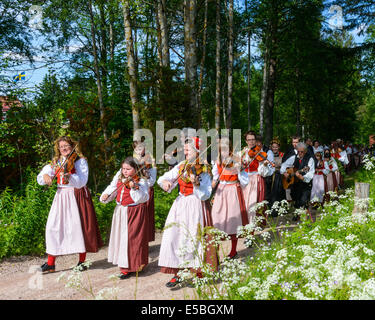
131, 64
202, 64
218, 68
298, 105
99, 84
362, 191
248, 73
263, 98
230, 65
164, 35
191, 56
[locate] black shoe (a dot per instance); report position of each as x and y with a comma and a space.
233, 256
173, 282
81, 267
46, 268
123, 276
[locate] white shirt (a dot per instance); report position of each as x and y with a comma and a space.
202, 192
289, 163
76, 180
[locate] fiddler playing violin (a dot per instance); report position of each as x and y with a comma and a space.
258, 167
180, 246
72, 226
128, 243
228, 205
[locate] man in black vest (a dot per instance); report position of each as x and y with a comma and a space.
304, 163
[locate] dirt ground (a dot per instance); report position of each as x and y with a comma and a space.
19, 279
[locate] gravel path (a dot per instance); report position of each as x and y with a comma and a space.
20, 280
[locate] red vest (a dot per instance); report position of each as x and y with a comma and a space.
226, 176
186, 188
123, 195
60, 177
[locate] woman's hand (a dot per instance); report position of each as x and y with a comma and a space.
166, 185
105, 197
47, 179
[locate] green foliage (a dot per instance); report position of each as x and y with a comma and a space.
163, 203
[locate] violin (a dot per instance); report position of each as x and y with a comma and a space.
256, 153
135, 179
195, 169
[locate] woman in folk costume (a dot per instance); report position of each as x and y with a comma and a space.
147, 166
339, 154
180, 247
128, 243
319, 183
334, 174
257, 167
275, 185
72, 226
228, 208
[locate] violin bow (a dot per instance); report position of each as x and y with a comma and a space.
63, 164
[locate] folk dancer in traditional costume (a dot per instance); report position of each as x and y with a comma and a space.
304, 163
340, 155
128, 243
72, 226
229, 208
333, 175
257, 168
180, 247
275, 189
319, 183
147, 164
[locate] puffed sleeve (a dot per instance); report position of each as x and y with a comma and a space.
243, 178
271, 158
171, 176
140, 195
334, 165
47, 169
151, 181
79, 179
326, 168
310, 174
265, 170
215, 172
287, 164
110, 190
203, 191
344, 157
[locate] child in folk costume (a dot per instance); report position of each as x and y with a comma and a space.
72, 226
128, 243
257, 167
333, 175
179, 246
319, 183
147, 165
229, 209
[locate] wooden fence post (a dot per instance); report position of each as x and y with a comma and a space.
361, 191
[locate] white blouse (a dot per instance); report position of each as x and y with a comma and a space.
139, 195
289, 163
202, 192
243, 176
76, 180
